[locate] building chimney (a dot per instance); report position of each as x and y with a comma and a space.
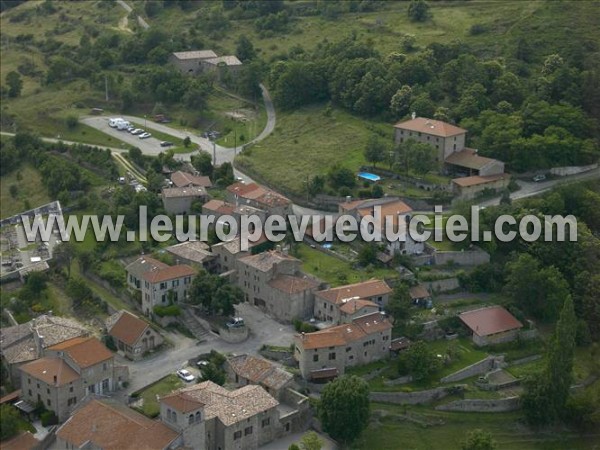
414, 115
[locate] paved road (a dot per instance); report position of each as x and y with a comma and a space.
264, 330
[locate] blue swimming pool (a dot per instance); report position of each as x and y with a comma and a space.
369, 176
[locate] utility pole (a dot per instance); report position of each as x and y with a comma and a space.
106, 87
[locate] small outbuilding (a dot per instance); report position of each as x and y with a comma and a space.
132, 335
491, 325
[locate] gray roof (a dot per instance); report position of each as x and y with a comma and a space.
144, 264
195, 54
195, 251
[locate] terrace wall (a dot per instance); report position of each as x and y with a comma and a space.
482, 405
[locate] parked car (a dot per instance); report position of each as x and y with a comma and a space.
137, 131
236, 322
539, 178
185, 375
166, 144
145, 135
202, 363
130, 128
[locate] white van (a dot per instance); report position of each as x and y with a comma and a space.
123, 125
114, 122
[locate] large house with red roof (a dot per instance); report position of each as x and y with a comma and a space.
478, 172
252, 194
325, 354
68, 372
159, 283
343, 304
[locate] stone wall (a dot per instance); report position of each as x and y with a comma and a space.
572, 170
398, 381
445, 285
466, 258
482, 405
415, 398
233, 335
478, 368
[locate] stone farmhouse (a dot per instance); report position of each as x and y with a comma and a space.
132, 335
478, 172
193, 253
211, 417
246, 369
179, 200
68, 372
491, 325
343, 304
185, 179
325, 354
398, 213
252, 194
273, 281
228, 254
27, 342
201, 61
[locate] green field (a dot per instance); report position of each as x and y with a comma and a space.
306, 143
151, 407
328, 268
31, 192
447, 430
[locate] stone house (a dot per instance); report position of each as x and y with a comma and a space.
191, 62
211, 417
193, 253
467, 188
27, 342
392, 224
179, 200
325, 354
342, 304
165, 285
219, 208
111, 425
245, 369
491, 325
185, 179
252, 194
68, 372
136, 270
273, 281
228, 253
132, 335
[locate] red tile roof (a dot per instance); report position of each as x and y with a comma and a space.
182, 402
430, 126
84, 351
419, 291
364, 290
114, 427
23, 441
50, 368
492, 320
218, 206
354, 305
290, 284
468, 158
169, 273
262, 195
128, 328
181, 179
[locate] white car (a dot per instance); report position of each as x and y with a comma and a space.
137, 131
145, 135
185, 375
202, 363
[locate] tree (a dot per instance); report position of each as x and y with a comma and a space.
375, 150
15, 84
187, 142
367, 254
479, 440
223, 174
547, 392
202, 162
341, 177
211, 372
63, 255
401, 101
245, 50
311, 441
399, 303
9, 421
344, 408
225, 298
420, 361
418, 11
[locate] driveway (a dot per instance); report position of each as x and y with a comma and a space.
263, 330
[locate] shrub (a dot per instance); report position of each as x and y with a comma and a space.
71, 122
48, 418
477, 28
167, 311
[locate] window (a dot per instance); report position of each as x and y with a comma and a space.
365, 354
331, 356
28, 380
454, 146
237, 435
199, 418
247, 431
385, 338
105, 385
163, 285
266, 422
47, 390
174, 416
351, 357
287, 426
315, 358
163, 298
71, 389
175, 283
348, 349
30, 392
104, 366
48, 402
191, 419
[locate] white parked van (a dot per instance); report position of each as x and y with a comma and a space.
123, 125
114, 122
